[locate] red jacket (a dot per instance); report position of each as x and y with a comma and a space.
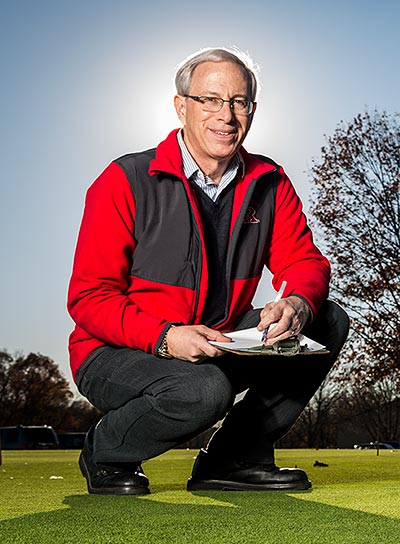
140, 261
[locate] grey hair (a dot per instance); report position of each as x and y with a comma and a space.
183, 77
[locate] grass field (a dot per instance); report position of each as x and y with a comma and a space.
356, 499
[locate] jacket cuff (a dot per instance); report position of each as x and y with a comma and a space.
311, 318
162, 335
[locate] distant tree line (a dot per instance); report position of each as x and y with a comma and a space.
34, 392
369, 409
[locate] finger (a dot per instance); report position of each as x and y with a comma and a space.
268, 319
217, 352
202, 357
277, 329
285, 325
275, 319
268, 310
208, 350
285, 316
274, 312
217, 336
284, 336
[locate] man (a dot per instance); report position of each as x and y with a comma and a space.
171, 248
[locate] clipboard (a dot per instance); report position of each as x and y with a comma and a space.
248, 342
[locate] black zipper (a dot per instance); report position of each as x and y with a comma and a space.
235, 236
198, 271
200, 259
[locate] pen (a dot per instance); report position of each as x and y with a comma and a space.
276, 299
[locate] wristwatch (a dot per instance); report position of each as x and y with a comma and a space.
163, 349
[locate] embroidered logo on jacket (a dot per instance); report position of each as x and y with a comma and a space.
250, 216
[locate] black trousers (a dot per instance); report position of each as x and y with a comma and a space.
152, 404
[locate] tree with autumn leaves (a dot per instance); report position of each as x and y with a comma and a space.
34, 392
356, 209
356, 205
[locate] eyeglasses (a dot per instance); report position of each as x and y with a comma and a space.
239, 106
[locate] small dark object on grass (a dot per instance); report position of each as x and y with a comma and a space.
319, 464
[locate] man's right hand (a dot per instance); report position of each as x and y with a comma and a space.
191, 342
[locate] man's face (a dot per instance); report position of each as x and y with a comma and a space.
214, 136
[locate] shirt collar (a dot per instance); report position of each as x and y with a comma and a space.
190, 166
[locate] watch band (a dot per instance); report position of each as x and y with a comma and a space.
163, 349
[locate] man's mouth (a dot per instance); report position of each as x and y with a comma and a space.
222, 133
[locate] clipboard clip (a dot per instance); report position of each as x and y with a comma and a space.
289, 346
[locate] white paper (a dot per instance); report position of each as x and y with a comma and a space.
248, 339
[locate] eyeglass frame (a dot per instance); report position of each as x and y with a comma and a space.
221, 101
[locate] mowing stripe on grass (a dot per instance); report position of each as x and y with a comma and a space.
355, 500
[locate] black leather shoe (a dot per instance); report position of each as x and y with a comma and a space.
125, 479
229, 475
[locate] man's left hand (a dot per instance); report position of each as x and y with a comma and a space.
288, 317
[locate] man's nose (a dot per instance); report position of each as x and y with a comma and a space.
226, 112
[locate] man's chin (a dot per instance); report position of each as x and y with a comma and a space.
223, 152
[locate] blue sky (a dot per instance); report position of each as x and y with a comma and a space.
86, 81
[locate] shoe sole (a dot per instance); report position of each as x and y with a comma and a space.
109, 490
223, 485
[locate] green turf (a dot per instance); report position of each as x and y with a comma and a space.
356, 499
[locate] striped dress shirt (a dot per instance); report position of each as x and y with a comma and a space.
193, 172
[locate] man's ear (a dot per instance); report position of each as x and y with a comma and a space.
180, 108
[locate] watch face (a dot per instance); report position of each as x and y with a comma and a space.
163, 349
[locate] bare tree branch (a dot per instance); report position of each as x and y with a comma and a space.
356, 206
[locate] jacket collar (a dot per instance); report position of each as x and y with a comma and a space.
168, 159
